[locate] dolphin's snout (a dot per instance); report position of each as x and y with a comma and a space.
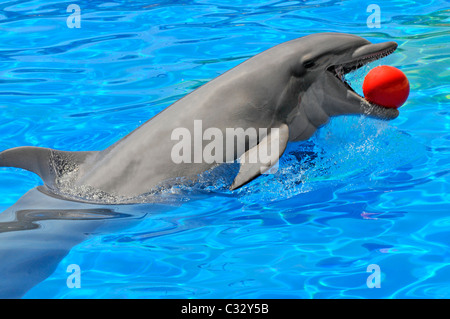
353, 102
374, 50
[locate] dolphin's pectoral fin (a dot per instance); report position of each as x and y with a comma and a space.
49, 164
261, 157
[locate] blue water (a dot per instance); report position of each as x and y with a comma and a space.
359, 192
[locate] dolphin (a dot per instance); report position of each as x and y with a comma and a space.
40, 229
290, 90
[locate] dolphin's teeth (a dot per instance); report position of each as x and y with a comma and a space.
341, 70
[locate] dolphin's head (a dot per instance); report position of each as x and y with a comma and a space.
317, 73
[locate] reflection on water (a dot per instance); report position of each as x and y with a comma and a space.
29, 219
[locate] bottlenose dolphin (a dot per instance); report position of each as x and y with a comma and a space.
294, 87
37, 232
40, 229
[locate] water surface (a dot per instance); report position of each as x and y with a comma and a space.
360, 192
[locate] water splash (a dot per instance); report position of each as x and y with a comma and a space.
350, 151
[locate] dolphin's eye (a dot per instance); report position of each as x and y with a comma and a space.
308, 64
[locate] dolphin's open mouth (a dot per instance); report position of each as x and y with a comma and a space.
369, 55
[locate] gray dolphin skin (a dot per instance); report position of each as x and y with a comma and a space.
39, 230
294, 87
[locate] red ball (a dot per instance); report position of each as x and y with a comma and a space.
386, 86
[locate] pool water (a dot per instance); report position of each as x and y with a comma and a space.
359, 192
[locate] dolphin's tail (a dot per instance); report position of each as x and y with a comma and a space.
49, 164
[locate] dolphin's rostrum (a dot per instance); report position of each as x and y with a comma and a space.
294, 87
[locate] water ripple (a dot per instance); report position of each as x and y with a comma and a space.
359, 192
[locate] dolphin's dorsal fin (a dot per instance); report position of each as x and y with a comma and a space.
49, 164
262, 156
